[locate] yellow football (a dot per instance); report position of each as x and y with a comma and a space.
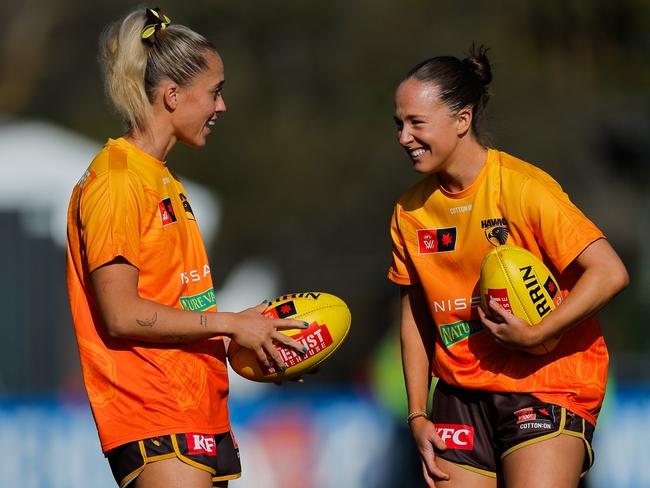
522, 284
329, 321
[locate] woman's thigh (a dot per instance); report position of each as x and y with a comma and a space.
172, 473
556, 462
460, 477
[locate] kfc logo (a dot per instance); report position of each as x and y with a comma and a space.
456, 436
201, 444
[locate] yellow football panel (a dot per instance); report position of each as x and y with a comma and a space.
330, 311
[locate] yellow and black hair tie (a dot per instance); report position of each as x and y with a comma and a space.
156, 20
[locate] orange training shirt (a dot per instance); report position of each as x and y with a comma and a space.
129, 204
439, 241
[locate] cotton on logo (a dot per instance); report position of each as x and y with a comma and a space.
201, 444
456, 436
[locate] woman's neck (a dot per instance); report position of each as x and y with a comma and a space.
464, 168
152, 140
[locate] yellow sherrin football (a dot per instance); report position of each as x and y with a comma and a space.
329, 321
522, 284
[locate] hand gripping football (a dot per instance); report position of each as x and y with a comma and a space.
523, 285
329, 322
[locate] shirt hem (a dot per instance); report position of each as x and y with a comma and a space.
572, 407
99, 262
400, 280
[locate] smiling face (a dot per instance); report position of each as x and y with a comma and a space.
427, 129
199, 103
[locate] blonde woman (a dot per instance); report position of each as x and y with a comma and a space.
151, 342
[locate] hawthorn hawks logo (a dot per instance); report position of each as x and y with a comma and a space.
496, 230
436, 240
187, 207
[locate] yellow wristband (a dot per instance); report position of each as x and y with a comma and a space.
416, 414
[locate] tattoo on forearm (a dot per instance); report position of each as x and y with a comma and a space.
148, 322
203, 320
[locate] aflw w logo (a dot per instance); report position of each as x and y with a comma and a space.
436, 240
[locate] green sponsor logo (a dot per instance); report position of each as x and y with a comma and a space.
202, 301
456, 332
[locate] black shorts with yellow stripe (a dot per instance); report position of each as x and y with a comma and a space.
481, 428
217, 454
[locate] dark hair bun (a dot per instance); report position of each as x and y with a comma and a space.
479, 64
460, 83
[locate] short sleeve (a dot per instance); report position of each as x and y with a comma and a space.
561, 229
110, 214
401, 271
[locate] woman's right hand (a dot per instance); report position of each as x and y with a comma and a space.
427, 440
258, 333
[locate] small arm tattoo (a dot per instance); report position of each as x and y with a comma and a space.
148, 322
203, 320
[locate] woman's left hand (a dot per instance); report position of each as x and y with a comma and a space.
602, 276
508, 329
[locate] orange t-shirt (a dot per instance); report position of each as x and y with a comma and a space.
439, 241
129, 204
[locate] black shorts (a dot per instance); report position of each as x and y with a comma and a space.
216, 453
481, 428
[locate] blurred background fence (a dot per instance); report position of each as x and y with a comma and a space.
294, 192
